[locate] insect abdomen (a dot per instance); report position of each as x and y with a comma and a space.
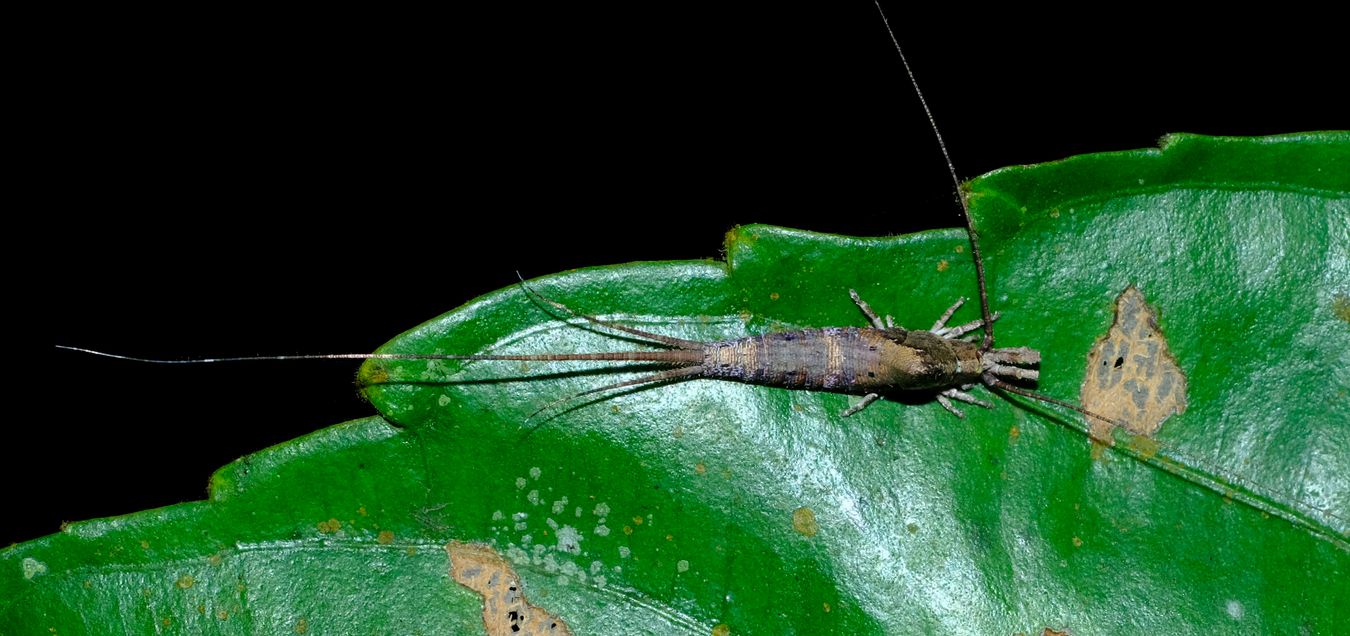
830, 359
844, 359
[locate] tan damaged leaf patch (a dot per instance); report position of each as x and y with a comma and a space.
506, 612
1131, 376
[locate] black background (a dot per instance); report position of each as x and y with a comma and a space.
264, 183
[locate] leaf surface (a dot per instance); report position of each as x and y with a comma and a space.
683, 507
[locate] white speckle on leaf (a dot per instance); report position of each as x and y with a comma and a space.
33, 567
551, 523
520, 483
569, 540
443, 400
578, 512
601, 510
682, 566
517, 555
535, 472
602, 530
559, 505
1234, 609
624, 551
525, 540
497, 515
600, 580
596, 567
572, 570
533, 497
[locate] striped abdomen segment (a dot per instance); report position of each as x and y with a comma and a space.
832, 359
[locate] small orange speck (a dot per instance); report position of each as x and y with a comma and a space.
412, 551
721, 630
637, 521
773, 296
329, 527
301, 626
628, 529
960, 249
701, 468
670, 537
184, 582
1077, 543
1054, 214
166, 621
361, 511
943, 265
145, 545
827, 608
201, 608
1014, 433
214, 559
223, 615
385, 537
804, 522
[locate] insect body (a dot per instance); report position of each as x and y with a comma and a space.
866, 361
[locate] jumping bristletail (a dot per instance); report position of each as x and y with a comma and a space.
868, 361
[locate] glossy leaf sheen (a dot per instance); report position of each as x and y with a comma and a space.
677, 508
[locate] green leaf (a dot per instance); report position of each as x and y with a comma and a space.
682, 507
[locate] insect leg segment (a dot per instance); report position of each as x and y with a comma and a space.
1008, 362
940, 327
867, 400
867, 311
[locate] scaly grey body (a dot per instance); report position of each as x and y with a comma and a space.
866, 361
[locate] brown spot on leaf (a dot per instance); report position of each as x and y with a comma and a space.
186, 581
721, 629
804, 522
943, 265
1340, 306
506, 611
1132, 378
329, 527
1054, 632
385, 537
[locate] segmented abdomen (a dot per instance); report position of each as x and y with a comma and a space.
831, 359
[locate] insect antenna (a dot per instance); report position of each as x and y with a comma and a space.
985, 313
961, 198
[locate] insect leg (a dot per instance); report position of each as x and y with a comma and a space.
946, 315
867, 310
947, 404
958, 394
867, 399
1013, 372
961, 330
